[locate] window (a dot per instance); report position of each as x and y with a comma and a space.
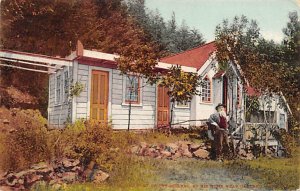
66, 86
238, 102
58, 89
182, 104
206, 90
132, 87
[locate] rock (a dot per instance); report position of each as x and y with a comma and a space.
69, 177
194, 147
11, 179
249, 156
143, 144
11, 183
242, 153
5, 188
76, 169
185, 152
135, 149
68, 163
39, 166
171, 147
100, 176
165, 154
184, 143
149, 151
201, 153
6, 121
31, 179
176, 155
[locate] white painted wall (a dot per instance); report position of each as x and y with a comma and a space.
58, 112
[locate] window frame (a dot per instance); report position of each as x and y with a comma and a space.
210, 93
66, 88
139, 92
58, 92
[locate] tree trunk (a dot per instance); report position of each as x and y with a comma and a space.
129, 110
171, 118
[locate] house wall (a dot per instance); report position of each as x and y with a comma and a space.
142, 115
204, 110
58, 113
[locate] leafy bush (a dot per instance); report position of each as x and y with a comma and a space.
287, 141
27, 144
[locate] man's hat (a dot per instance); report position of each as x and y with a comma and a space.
219, 105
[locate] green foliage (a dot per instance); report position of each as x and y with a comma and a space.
240, 42
76, 89
94, 143
182, 86
168, 35
28, 140
287, 141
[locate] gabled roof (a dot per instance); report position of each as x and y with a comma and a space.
195, 57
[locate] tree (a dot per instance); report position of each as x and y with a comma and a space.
137, 61
53, 28
182, 86
166, 34
291, 51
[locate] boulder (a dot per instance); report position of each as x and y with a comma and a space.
242, 153
249, 156
176, 155
201, 153
185, 152
69, 177
165, 154
69, 163
38, 166
171, 147
100, 176
194, 147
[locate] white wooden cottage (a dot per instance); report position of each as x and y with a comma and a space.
105, 96
105, 92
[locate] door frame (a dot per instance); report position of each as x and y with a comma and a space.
89, 89
156, 102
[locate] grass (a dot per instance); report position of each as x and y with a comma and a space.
272, 173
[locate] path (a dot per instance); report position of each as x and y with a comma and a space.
192, 174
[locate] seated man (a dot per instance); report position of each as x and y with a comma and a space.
219, 127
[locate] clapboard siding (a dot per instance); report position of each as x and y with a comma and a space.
82, 99
181, 115
142, 116
58, 113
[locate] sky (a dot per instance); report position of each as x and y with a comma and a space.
205, 15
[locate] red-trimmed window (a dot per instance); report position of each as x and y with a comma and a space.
133, 87
206, 90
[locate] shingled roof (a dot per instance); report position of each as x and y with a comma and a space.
195, 57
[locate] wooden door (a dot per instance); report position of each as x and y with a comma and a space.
99, 96
163, 107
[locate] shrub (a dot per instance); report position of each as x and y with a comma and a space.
27, 144
286, 140
94, 143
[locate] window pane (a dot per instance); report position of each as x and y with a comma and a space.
132, 85
206, 90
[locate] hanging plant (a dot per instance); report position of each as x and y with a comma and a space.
76, 89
